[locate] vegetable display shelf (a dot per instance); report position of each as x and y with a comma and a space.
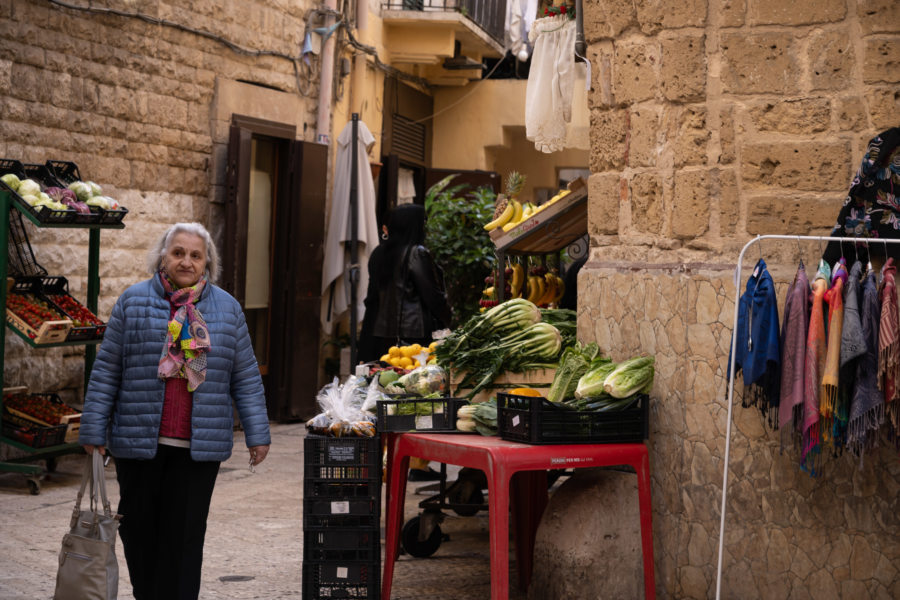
554, 228
21, 464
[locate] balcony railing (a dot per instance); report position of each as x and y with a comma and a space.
489, 15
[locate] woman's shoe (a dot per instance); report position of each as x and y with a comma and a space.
428, 474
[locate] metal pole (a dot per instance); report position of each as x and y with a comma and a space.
354, 235
737, 299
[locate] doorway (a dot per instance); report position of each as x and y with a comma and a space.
272, 259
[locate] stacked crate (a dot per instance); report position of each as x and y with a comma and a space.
341, 517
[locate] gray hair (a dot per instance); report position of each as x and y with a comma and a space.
158, 251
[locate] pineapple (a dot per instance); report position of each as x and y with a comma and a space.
500, 205
515, 181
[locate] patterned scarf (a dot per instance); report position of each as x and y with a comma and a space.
184, 353
793, 356
853, 346
889, 349
828, 398
812, 374
867, 403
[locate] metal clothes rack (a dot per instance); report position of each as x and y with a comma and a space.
737, 298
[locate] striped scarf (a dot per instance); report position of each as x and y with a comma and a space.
184, 353
812, 375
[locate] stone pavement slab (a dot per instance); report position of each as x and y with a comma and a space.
254, 541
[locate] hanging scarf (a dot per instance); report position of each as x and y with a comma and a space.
830, 378
888, 333
793, 355
184, 353
757, 352
867, 402
812, 374
853, 345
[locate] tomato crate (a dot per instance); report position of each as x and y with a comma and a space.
47, 410
402, 413
342, 458
67, 173
341, 579
30, 433
42, 215
335, 545
536, 420
85, 324
35, 317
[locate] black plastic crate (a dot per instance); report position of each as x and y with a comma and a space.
536, 420
47, 178
431, 414
67, 173
21, 260
329, 580
45, 215
30, 433
367, 521
343, 458
339, 500
51, 286
341, 545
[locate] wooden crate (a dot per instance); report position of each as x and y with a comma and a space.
50, 332
539, 379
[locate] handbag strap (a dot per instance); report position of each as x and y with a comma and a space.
93, 473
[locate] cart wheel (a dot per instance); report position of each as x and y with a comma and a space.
471, 506
34, 485
409, 537
51, 465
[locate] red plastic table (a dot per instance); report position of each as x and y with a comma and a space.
500, 460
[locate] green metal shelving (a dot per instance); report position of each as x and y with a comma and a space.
20, 465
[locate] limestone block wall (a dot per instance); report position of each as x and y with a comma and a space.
133, 101
713, 121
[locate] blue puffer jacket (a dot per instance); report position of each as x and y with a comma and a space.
124, 400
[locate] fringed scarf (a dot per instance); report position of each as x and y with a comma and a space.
187, 337
831, 377
888, 334
867, 402
853, 345
812, 375
757, 352
889, 349
793, 356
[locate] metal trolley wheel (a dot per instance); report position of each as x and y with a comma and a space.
420, 548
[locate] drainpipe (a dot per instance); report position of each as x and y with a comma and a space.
358, 82
323, 120
579, 28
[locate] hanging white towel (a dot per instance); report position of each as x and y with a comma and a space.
551, 81
336, 266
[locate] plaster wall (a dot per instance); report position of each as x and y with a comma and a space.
713, 121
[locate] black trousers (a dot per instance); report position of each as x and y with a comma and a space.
164, 505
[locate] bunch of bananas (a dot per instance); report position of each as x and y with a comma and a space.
511, 213
544, 287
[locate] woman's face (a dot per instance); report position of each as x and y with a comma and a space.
185, 259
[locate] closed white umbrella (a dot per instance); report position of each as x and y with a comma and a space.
337, 267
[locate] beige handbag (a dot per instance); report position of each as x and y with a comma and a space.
87, 561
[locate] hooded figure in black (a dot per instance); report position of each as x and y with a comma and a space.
406, 300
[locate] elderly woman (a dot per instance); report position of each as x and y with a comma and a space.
175, 355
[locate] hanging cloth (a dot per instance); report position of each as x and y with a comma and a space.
867, 402
871, 208
834, 297
888, 333
813, 371
793, 355
853, 346
551, 82
758, 353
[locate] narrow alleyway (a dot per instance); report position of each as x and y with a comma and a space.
254, 541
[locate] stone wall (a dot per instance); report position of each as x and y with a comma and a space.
133, 103
713, 121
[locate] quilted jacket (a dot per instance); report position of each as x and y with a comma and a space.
124, 400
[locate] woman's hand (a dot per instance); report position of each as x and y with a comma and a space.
258, 454
89, 448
